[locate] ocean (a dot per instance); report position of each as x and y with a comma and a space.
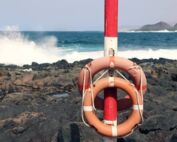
46, 47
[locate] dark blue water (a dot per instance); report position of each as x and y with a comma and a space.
93, 41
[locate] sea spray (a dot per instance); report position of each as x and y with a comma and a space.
15, 48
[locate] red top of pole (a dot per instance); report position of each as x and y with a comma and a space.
111, 18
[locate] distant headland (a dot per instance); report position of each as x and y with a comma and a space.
160, 26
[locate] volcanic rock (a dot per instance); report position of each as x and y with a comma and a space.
41, 103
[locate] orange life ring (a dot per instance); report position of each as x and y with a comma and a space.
123, 128
119, 63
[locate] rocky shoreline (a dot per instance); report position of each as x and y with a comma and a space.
41, 103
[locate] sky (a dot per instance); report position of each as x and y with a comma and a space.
82, 15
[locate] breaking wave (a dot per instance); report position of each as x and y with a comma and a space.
17, 49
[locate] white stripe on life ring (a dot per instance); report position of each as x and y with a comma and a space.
112, 65
87, 108
114, 131
111, 82
109, 122
138, 107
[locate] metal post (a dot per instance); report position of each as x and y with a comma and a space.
110, 49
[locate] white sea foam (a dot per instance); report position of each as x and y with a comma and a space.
19, 50
140, 54
161, 31
150, 53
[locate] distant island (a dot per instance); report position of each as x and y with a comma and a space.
158, 27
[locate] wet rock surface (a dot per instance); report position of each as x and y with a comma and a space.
41, 103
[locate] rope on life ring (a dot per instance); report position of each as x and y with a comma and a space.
88, 72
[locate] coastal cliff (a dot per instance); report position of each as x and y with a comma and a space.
160, 26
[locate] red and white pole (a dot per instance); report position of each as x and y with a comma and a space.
111, 27
110, 49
